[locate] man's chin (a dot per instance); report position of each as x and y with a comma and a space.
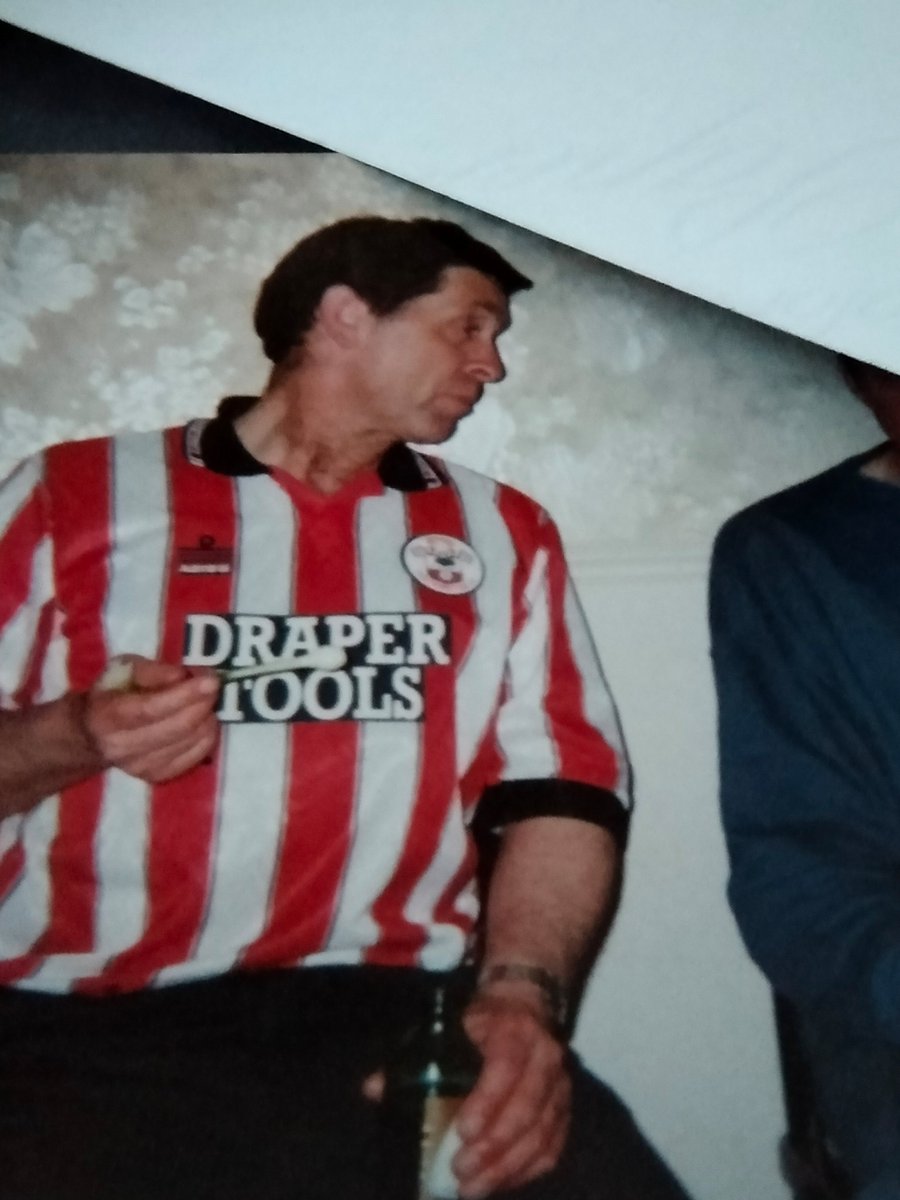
439, 431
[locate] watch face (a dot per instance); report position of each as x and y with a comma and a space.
545, 981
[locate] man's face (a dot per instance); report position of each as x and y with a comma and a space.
423, 368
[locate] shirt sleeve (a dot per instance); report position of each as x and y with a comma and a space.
26, 591
557, 741
804, 789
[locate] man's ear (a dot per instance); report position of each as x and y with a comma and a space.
343, 315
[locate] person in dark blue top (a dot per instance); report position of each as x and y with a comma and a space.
805, 623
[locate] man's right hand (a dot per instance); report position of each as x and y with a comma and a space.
161, 726
158, 730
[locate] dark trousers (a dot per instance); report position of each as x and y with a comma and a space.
246, 1087
857, 1082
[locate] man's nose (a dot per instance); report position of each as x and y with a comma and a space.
487, 365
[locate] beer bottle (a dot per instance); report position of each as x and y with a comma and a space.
433, 1070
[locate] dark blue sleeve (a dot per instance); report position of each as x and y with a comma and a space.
814, 882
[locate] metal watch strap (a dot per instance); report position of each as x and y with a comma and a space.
549, 984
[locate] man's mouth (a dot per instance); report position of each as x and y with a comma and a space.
466, 403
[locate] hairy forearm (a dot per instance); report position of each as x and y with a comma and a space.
160, 728
44, 749
553, 895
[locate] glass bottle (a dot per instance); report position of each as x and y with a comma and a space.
434, 1069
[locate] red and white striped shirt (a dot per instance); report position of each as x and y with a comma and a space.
332, 823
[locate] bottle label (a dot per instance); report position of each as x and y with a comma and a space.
440, 1141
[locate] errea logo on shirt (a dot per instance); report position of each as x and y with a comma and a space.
206, 558
386, 654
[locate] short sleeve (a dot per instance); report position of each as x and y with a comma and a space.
559, 744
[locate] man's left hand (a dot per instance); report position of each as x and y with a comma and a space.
514, 1123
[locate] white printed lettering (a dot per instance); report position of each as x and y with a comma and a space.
300, 636
293, 696
345, 630
201, 650
229, 705
366, 709
340, 683
382, 677
426, 631
407, 685
383, 628
254, 640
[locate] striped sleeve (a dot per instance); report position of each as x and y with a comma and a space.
26, 582
559, 744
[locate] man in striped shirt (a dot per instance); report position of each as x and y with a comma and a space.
255, 874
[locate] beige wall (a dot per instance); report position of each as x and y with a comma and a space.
641, 417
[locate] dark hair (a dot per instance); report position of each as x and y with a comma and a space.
386, 262
853, 371
865, 379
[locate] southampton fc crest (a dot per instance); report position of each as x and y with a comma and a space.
443, 563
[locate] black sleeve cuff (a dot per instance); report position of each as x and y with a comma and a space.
521, 799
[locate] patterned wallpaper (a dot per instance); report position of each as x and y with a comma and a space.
640, 416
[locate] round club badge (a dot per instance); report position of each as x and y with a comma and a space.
443, 563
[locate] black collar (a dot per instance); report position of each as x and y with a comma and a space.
215, 445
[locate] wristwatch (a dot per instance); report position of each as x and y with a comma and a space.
551, 987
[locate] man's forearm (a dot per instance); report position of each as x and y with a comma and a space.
161, 728
44, 749
552, 896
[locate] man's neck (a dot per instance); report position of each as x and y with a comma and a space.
300, 431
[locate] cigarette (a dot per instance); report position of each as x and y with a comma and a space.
119, 673
324, 658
